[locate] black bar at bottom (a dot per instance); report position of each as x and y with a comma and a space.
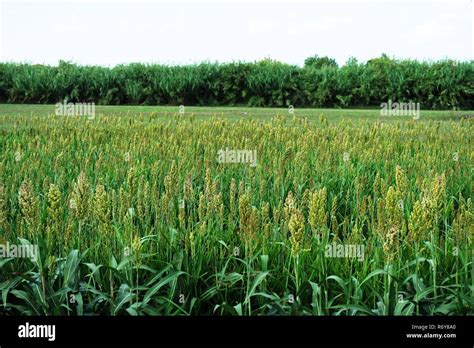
452, 331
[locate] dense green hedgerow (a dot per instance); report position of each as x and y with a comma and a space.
321, 83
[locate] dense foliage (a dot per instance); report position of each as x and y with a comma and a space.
135, 215
320, 83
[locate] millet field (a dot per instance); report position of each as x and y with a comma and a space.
345, 212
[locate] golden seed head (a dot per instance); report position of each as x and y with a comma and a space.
394, 207
136, 244
401, 180
188, 189
202, 207
296, 226
290, 205
391, 243
28, 202
54, 203
266, 213
208, 184
143, 199
203, 228
245, 212
438, 191
170, 180
241, 188
463, 224
376, 185
419, 223
317, 210
181, 213
101, 207
81, 197
253, 222
232, 195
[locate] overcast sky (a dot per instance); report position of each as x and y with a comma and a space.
110, 32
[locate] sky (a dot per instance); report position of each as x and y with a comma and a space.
111, 32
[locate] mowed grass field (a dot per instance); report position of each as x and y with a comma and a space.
233, 113
345, 212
